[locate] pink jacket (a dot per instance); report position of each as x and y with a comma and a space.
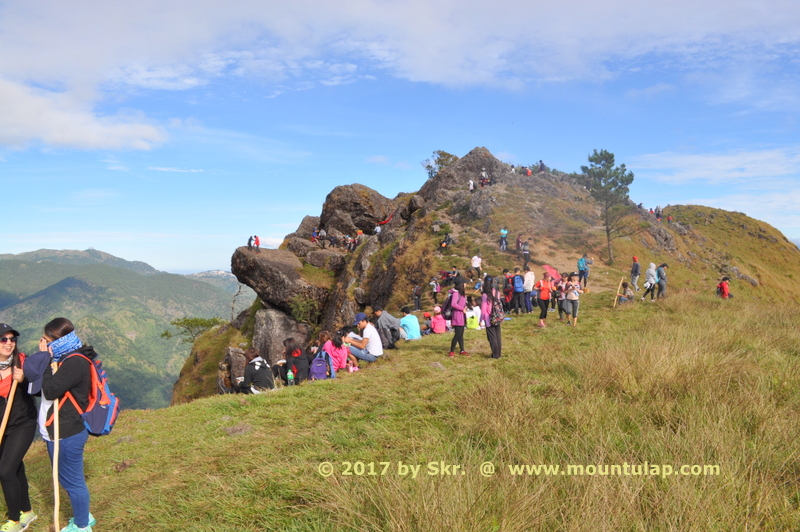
338, 356
459, 303
438, 324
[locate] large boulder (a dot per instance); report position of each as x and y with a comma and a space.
274, 275
349, 208
271, 328
304, 230
457, 176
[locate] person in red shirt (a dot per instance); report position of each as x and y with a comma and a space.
723, 289
544, 286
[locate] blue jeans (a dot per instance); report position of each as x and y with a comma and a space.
362, 354
70, 474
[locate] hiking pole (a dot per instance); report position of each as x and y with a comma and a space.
56, 435
9, 402
617, 295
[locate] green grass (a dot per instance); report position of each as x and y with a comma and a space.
689, 380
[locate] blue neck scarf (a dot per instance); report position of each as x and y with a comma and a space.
65, 345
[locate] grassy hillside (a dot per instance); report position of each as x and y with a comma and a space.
691, 380
120, 312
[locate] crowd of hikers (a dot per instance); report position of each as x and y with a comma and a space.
65, 374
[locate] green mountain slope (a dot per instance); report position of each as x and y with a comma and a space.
121, 312
89, 256
690, 381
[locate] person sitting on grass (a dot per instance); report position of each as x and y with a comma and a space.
340, 355
438, 323
258, 376
368, 346
626, 295
296, 360
410, 324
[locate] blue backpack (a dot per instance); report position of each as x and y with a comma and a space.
519, 283
103, 408
581, 263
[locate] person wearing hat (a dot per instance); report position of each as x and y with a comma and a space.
723, 290
368, 346
18, 434
636, 271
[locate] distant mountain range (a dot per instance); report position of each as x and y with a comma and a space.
120, 307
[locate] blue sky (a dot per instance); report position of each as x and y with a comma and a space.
169, 132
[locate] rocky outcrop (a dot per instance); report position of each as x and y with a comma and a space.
274, 275
349, 208
271, 328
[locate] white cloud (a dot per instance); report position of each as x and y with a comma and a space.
763, 166
28, 115
778, 208
61, 59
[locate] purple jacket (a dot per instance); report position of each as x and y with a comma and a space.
486, 307
458, 302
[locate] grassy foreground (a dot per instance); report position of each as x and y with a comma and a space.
688, 381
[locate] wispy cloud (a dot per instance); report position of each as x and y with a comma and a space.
173, 169
378, 159
765, 166
60, 61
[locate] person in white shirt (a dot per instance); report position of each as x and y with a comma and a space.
530, 280
368, 347
476, 264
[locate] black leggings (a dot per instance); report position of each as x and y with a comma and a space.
12, 471
543, 304
457, 337
651, 291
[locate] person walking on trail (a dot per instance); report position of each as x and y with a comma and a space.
503, 239
541, 166
489, 298
583, 269
661, 274
526, 253
573, 288
544, 285
650, 281
635, 272
19, 415
458, 302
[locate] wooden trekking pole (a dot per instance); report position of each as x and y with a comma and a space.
617, 294
56, 435
9, 402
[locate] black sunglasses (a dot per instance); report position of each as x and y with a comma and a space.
6, 339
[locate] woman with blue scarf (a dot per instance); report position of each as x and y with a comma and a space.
68, 379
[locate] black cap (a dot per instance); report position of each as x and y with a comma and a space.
6, 328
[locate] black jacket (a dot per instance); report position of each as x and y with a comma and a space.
73, 376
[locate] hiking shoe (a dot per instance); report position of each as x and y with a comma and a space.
464, 353
92, 522
355, 368
72, 528
451, 354
26, 518
11, 526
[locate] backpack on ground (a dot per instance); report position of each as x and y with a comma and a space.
103, 408
519, 283
321, 367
